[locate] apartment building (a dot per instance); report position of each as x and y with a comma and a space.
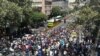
48, 6
43, 5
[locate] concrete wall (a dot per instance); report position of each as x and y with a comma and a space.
45, 8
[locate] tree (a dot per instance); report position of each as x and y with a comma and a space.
86, 14
3, 11
37, 18
18, 14
55, 12
96, 29
86, 17
90, 19
10, 14
26, 6
63, 13
22, 3
94, 2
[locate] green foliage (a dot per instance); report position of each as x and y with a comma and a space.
90, 19
18, 13
77, 1
22, 3
94, 2
63, 13
27, 15
86, 14
55, 12
9, 13
38, 17
26, 6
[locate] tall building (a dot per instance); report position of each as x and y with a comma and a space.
43, 5
48, 6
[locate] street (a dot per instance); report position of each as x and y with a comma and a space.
65, 25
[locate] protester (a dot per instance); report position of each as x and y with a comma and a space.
52, 43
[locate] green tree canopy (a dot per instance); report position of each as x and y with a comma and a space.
26, 6
55, 12
22, 3
90, 19
10, 15
9, 12
94, 2
18, 14
38, 17
86, 14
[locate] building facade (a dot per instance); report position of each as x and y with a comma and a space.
48, 7
43, 5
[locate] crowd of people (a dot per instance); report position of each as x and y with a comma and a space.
57, 42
